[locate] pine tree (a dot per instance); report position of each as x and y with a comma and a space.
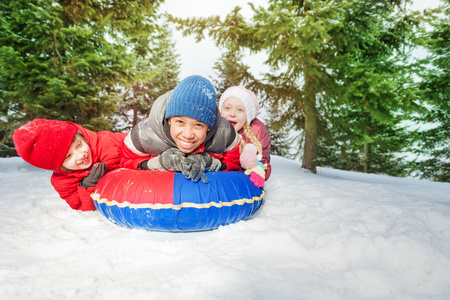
231, 71
310, 40
138, 100
434, 142
70, 60
377, 86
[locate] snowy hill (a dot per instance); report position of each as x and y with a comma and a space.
335, 235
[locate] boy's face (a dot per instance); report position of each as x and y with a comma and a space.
233, 110
79, 156
188, 133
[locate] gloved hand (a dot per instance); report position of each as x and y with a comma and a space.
248, 158
215, 165
97, 172
153, 164
172, 159
196, 164
257, 174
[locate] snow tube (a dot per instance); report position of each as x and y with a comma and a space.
167, 201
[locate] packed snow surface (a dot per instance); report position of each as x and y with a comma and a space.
334, 235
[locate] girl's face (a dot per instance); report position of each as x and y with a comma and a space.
233, 110
79, 156
188, 133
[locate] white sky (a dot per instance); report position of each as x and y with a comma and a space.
199, 58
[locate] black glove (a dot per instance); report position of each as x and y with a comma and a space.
215, 165
97, 172
172, 159
195, 165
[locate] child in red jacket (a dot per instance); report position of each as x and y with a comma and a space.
77, 156
239, 106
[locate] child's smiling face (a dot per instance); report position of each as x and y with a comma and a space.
79, 156
188, 133
233, 110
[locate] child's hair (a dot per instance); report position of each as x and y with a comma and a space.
65, 169
248, 132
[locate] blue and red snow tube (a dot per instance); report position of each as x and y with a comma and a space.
167, 201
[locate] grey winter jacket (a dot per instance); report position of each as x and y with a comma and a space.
152, 136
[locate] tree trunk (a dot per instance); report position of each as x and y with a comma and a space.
366, 157
311, 132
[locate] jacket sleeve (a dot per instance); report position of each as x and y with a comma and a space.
76, 196
111, 147
230, 158
149, 136
131, 160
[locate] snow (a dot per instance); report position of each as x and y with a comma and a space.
335, 235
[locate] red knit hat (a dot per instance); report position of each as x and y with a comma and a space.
44, 143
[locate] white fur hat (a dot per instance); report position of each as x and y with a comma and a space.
247, 97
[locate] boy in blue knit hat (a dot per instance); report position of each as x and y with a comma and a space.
184, 132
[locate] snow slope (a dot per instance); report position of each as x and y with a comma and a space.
335, 235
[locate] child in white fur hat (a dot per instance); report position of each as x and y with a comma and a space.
239, 106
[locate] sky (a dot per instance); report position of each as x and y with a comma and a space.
334, 235
199, 58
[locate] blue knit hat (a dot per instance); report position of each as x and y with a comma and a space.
193, 97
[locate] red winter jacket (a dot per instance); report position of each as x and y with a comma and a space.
106, 147
262, 134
